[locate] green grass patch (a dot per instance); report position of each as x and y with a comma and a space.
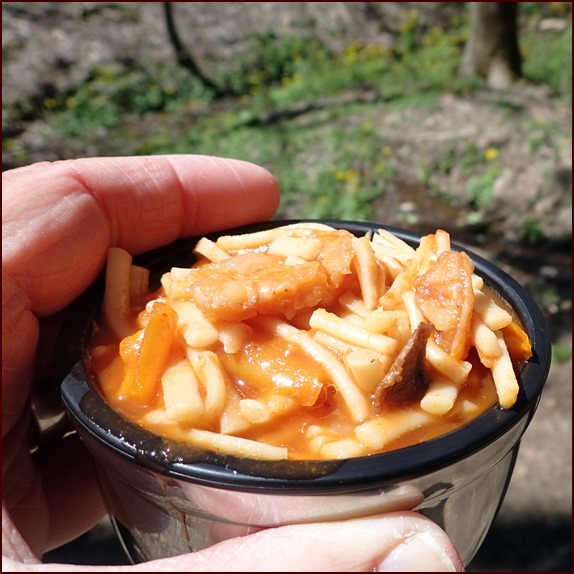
548, 59
561, 352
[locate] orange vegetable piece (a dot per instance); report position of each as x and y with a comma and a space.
145, 354
517, 342
270, 366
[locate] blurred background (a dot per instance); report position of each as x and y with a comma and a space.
420, 115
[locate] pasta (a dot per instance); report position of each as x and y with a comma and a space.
306, 342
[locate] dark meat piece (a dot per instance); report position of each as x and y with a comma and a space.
406, 382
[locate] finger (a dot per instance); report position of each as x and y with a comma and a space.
19, 338
72, 493
16, 554
400, 542
59, 219
52, 496
397, 542
281, 510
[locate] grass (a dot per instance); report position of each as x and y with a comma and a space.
548, 60
561, 352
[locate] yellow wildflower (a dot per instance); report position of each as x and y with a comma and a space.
490, 153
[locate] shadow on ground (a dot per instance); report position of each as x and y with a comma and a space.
99, 546
534, 545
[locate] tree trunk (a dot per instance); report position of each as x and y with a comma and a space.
182, 55
492, 50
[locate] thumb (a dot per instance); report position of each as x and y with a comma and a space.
395, 542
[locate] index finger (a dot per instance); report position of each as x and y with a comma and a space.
58, 220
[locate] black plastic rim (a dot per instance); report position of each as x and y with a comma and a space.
177, 460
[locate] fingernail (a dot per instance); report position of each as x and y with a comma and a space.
419, 553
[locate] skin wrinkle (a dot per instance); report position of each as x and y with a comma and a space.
147, 207
207, 211
195, 214
195, 217
15, 303
192, 211
242, 186
24, 493
199, 180
12, 440
142, 211
42, 233
16, 232
30, 512
14, 490
169, 209
61, 275
19, 339
145, 201
111, 221
12, 542
340, 561
64, 250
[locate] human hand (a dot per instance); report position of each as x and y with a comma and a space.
58, 221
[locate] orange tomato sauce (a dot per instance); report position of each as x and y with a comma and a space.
307, 408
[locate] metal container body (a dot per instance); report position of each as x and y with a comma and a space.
158, 516
167, 498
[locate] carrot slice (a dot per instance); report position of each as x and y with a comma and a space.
145, 355
517, 342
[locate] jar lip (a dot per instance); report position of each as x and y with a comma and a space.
170, 458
